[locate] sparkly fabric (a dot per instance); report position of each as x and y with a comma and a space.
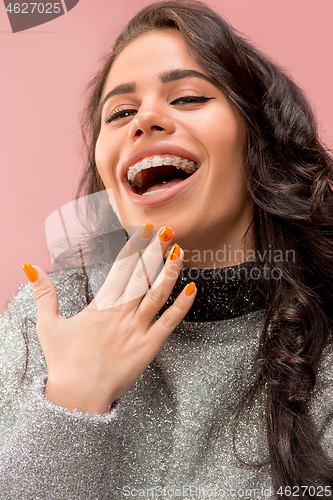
237, 291
169, 435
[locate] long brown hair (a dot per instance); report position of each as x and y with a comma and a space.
287, 171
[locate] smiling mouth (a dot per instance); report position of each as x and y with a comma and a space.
155, 174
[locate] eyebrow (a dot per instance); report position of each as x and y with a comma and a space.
166, 77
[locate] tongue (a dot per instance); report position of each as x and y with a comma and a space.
160, 185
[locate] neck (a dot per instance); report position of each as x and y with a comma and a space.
216, 257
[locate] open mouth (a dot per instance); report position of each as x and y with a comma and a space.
159, 173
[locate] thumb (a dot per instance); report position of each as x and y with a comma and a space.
44, 292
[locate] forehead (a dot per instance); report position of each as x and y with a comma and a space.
149, 55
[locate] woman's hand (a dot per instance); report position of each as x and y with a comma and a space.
95, 356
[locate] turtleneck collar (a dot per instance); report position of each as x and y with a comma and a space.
223, 293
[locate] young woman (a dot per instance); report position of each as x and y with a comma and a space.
217, 381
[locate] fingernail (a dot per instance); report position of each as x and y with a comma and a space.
190, 288
166, 234
147, 230
174, 252
30, 272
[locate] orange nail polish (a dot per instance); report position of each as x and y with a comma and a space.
147, 230
30, 272
166, 234
174, 252
190, 288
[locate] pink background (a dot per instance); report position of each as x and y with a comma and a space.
43, 74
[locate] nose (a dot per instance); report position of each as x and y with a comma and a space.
151, 119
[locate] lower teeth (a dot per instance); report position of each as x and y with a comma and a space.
153, 192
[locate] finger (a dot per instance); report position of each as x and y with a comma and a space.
162, 287
170, 319
146, 268
44, 292
123, 267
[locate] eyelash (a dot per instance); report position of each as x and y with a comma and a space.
123, 113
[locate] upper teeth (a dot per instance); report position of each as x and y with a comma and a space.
135, 174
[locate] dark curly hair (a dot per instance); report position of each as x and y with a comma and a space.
288, 173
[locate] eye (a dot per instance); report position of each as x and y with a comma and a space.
191, 99
119, 113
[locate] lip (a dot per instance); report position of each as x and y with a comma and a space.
162, 197
157, 148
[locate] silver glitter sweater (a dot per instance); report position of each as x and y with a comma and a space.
168, 436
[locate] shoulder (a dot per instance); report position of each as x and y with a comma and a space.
21, 356
70, 286
321, 400
325, 367
18, 321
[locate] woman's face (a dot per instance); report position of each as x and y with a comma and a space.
147, 114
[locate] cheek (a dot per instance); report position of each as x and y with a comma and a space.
99, 160
225, 136
104, 160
